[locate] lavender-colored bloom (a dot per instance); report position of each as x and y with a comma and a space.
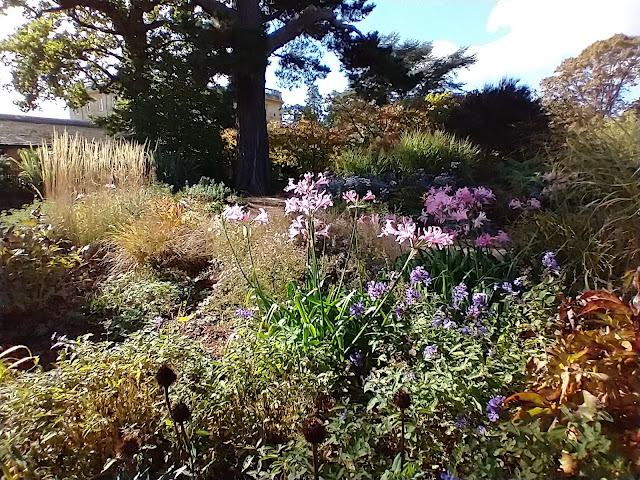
461, 421
480, 300
518, 282
460, 293
399, 310
482, 430
494, 408
473, 311
490, 353
481, 330
157, 322
412, 296
508, 287
242, 313
356, 309
466, 330
430, 351
376, 289
343, 415
549, 261
357, 359
410, 376
420, 275
447, 323
436, 322
448, 476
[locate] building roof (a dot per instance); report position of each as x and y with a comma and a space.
20, 130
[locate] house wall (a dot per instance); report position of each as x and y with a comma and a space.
101, 106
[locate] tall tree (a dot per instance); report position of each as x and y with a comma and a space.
241, 36
384, 69
314, 103
596, 81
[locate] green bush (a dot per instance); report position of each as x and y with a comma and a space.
432, 151
68, 423
134, 298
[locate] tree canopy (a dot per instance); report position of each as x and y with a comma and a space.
110, 45
596, 81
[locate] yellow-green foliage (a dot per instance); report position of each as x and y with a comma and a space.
594, 222
67, 422
277, 260
91, 187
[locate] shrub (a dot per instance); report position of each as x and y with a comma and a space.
359, 161
132, 299
68, 422
594, 192
434, 152
36, 270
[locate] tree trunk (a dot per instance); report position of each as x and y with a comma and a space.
252, 170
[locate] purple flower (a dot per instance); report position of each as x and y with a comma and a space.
400, 310
460, 293
356, 310
376, 289
481, 330
241, 313
343, 415
473, 311
430, 351
357, 359
490, 353
549, 261
410, 376
518, 282
466, 330
437, 319
412, 296
420, 275
448, 476
480, 300
447, 323
461, 421
482, 430
494, 408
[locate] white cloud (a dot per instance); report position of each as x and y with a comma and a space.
539, 35
9, 23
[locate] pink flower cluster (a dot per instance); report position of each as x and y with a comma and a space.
530, 204
462, 206
486, 240
238, 213
352, 198
418, 238
308, 200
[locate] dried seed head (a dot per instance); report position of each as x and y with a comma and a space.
402, 399
180, 412
128, 446
324, 402
314, 430
165, 376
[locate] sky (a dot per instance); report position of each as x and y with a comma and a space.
524, 39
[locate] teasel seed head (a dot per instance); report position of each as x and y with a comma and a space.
165, 376
180, 412
402, 399
314, 430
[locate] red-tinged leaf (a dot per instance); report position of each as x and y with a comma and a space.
531, 397
604, 294
606, 304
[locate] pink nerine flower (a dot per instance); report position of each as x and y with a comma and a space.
534, 203
262, 218
501, 237
352, 197
483, 240
235, 213
418, 238
300, 228
515, 203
